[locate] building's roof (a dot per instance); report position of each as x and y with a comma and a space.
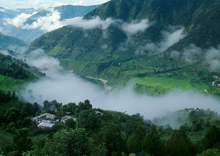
46, 124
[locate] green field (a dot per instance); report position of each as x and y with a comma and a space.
167, 83
10, 84
152, 75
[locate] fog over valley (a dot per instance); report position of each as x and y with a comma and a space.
109, 77
66, 87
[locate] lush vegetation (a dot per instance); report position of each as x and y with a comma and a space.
107, 133
15, 73
110, 54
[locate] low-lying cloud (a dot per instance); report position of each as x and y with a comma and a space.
169, 37
95, 22
5, 52
194, 54
66, 87
18, 21
53, 21
42, 4
43, 62
135, 26
46, 23
212, 56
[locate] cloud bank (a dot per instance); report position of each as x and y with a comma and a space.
18, 21
93, 23
135, 26
42, 4
46, 23
212, 56
194, 54
66, 87
52, 21
169, 37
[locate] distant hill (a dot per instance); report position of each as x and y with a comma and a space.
5, 15
15, 12
66, 12
120, 52
29, 35
6, 41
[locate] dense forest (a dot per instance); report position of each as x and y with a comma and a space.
14, 73
145, 57
93, 131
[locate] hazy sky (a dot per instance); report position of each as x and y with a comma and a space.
39, 4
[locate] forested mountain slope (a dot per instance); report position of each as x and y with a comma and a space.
66, 12
139, 38
199, 17
14, 73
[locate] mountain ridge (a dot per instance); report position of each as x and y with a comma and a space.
172, 26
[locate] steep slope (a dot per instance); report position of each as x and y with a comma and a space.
5, 41
194, 15
14, 73
199, 17
137, 38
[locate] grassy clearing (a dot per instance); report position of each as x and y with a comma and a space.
167, 83
10, 84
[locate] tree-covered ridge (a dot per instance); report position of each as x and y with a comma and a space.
11, 68
15, 68
190, 13
199, 17
100, 132
14, 73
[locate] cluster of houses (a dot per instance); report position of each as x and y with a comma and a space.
49, 120
216, 83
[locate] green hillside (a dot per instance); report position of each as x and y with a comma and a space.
14, 73
118, 57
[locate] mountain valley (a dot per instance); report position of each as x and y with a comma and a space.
123, 78
168, 43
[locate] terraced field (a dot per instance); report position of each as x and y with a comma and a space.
10, 84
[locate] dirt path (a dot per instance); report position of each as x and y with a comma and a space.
104, 82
